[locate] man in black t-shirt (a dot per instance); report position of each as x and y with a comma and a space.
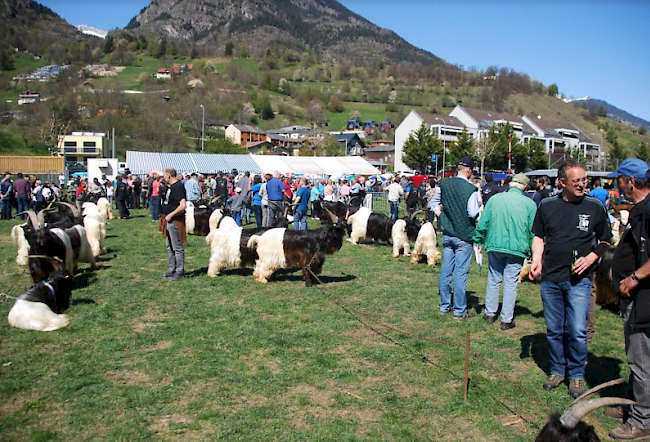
221, 188
571, 233
489, 189
631, 278
173, 207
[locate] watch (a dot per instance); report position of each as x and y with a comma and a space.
634, 277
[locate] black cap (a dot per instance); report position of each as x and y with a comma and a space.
467, 162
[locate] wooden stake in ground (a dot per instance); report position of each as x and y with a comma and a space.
466, 366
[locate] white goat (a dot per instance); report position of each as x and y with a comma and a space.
215, 217
426, 244
30, 315
358, 221
400, 240
270, 248
95, 225
104, 207
189, 217
19, 240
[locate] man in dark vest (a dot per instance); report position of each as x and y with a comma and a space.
457, 205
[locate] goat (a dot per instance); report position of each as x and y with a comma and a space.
104, 207
364, 223
296, 249
403, 231
19, 240
40, 307
569, 426
80, 248
426, 244
94, 222
229, 244
603, 281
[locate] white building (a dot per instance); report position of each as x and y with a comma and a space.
559, 137
479, 122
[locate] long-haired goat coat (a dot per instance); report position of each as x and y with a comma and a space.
95, 225
19, 240
229, 248
426, 244
40, 306
104, 207
399, 238
364, 223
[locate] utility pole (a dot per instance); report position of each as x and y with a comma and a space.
113, 143
202, 127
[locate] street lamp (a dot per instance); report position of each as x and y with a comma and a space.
202, 127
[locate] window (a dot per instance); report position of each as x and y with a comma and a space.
90, 144
70, 144
90, 150
70, 149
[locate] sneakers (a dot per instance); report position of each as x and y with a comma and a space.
576, 388
628, 432
507, 325
167, 275
467, 315
489, 319
175, 277
443, 312
553, 382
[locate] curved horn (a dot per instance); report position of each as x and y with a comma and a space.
416, 213
332, 216
575, 413
49, 206
53, 258
34, 219
40, 216
74, 209
587, 394
286, 211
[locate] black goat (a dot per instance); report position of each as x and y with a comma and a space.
569, 427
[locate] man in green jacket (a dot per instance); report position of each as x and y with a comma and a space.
505, 228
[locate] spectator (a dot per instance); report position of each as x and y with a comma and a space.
257, 200
631, 277
192, 189
23, 194
302, 205
121, 196
137, 191
110, 192
37, 196
395, 191
313, 197
244, 184
411, 197
571, 233
275, 190
265, 200
236, 202
505, 231
156, 196
457, 205
598, 191
173, 225
129, 198
220, 187
328, 191
490, 188
344, 192
431, 193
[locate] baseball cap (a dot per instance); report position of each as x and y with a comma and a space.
467, 162
633, 167
521, 178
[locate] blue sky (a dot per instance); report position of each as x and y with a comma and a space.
588, 47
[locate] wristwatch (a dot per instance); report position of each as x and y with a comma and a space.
634, 277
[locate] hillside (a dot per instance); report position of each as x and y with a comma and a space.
611, 111
326, 27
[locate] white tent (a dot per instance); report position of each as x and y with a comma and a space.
329, 166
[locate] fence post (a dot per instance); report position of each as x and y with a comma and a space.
466, 366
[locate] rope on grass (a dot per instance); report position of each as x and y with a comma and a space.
4, 295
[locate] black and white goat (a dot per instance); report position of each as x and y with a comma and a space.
229, 244
197, 217
296, 249
569, 426
426, 244
367, 224
40, 307
403, 231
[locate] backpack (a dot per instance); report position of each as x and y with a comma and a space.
39, 196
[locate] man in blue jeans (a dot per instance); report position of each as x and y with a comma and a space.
571, 233
457, 206
302, 205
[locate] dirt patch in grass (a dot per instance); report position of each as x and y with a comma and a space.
162, 345
259, 358
149, 320
322, 398
129, 378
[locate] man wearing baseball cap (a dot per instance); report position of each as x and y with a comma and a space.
457, 206
631, 278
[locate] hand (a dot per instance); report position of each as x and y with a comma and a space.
627, 285
535, 270
583, 263
168, 218
480, 249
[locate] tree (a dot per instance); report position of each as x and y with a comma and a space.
463, 147
537, 157
419, 147
553, 90
228, 50
335, 104
329, 146
108, 44
315, 113
642, 152
162, 49
616, 155
485, 147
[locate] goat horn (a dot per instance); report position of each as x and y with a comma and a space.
575, 413
286, 211
416, 213
74, 209
34, 219
587, 394
334, 217
40, 216
53, 258
49, 206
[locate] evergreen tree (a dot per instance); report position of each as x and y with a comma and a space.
419, 147
109, 43
498, 159
537, 156
463, 147
617, 154
162, 49
228, 50
642, 152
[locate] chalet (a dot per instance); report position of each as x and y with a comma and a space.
217, 124
559, 137
29, 97
243, 134
352, 142
180, 69
163, 74
479, 122
380, 156
266, 148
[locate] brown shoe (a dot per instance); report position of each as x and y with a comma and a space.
553, 382
629, 432
576, 387
615, 412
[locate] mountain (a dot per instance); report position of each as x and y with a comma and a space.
89, 30
612, 111
31, 26
324, 26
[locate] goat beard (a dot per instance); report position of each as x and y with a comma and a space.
180, 225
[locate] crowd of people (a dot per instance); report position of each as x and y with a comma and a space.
25, 193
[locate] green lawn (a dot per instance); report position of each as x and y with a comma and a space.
365, 356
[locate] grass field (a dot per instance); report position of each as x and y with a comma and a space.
364, 356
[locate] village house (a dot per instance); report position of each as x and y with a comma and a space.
243, 134
163, 74
79, 146
560, 137
29, 97
380, 155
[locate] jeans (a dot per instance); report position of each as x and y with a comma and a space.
257, 211
276, 208
237, 217
175, 251
6, 208
456, 260
23, 205
121, 206
505, 268
394, 210
265, 216
566, 307
637, 350
300, 220
154, 206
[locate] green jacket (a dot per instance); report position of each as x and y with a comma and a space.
506, 224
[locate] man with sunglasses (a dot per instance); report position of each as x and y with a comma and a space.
571, 233
631, 278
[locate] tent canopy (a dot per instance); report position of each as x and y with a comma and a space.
315, 165
141, 163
